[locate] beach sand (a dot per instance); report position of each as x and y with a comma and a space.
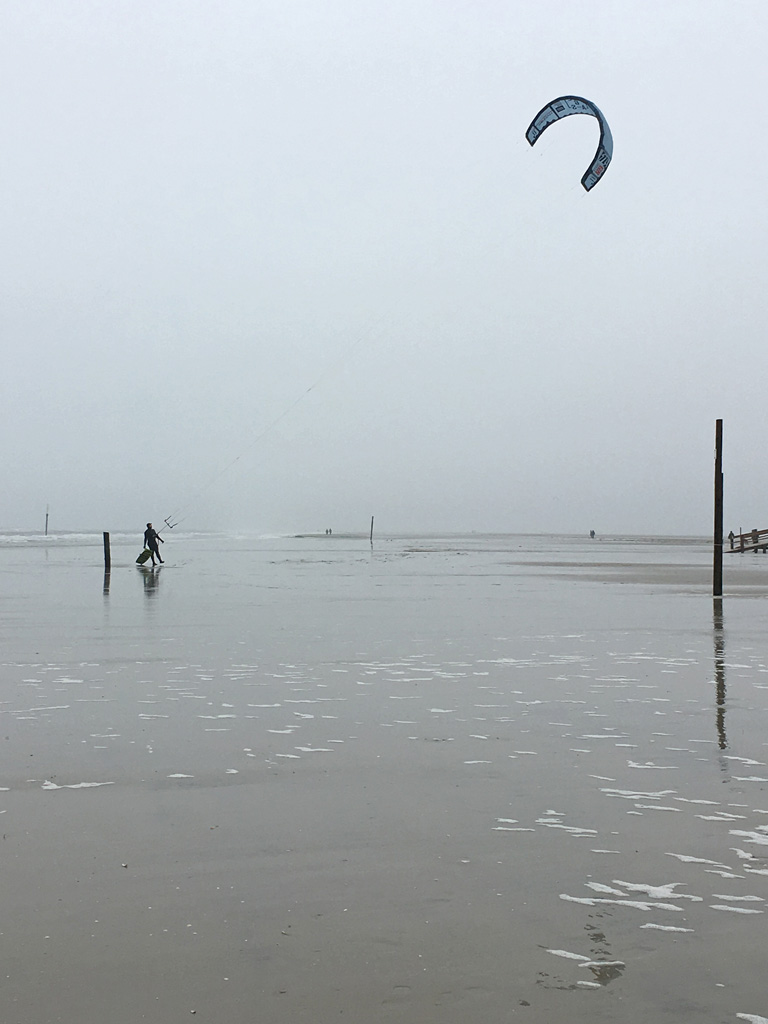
444, 779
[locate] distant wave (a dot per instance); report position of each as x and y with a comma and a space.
21, 538
93, 538
60, 538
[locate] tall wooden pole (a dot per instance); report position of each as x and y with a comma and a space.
717, 573
107, 554
46, 519
371, 529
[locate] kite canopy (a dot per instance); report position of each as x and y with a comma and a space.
564, 106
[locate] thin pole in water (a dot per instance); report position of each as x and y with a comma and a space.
107, 554
717, 573
371, 529
46, 519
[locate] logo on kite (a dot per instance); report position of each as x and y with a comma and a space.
564, 106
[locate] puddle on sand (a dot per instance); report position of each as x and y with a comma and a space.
546, 750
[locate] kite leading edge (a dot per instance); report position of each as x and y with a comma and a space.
564, 106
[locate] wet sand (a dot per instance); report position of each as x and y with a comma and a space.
444, 780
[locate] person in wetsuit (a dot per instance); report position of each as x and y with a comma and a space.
151, 537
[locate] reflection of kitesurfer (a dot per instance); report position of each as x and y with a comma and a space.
151, 581
151, 537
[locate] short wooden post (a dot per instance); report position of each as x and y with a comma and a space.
717, 573
107, 554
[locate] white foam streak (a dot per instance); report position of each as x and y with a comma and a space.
665, 927
75, 785
568, 955
751, 837
686, 859
735, 910
644, 905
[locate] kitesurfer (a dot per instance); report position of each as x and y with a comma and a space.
151, 537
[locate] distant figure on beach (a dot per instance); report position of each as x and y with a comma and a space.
592, 534
731, 538
151, 537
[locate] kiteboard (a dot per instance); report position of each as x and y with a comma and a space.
143, 557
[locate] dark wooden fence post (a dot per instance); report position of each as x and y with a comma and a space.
107, 554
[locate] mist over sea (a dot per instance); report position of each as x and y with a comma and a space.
436, 779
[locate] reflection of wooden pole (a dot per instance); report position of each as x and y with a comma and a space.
371, 529
107, 554
717, 573
719, 635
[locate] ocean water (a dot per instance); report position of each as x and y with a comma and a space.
432, 778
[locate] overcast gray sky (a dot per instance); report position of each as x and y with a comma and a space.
208, 209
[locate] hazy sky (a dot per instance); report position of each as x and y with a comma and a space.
207, 209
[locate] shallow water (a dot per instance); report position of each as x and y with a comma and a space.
441, 779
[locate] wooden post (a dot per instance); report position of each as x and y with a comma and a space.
717, 573
107, 554
46, 519
371, 529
